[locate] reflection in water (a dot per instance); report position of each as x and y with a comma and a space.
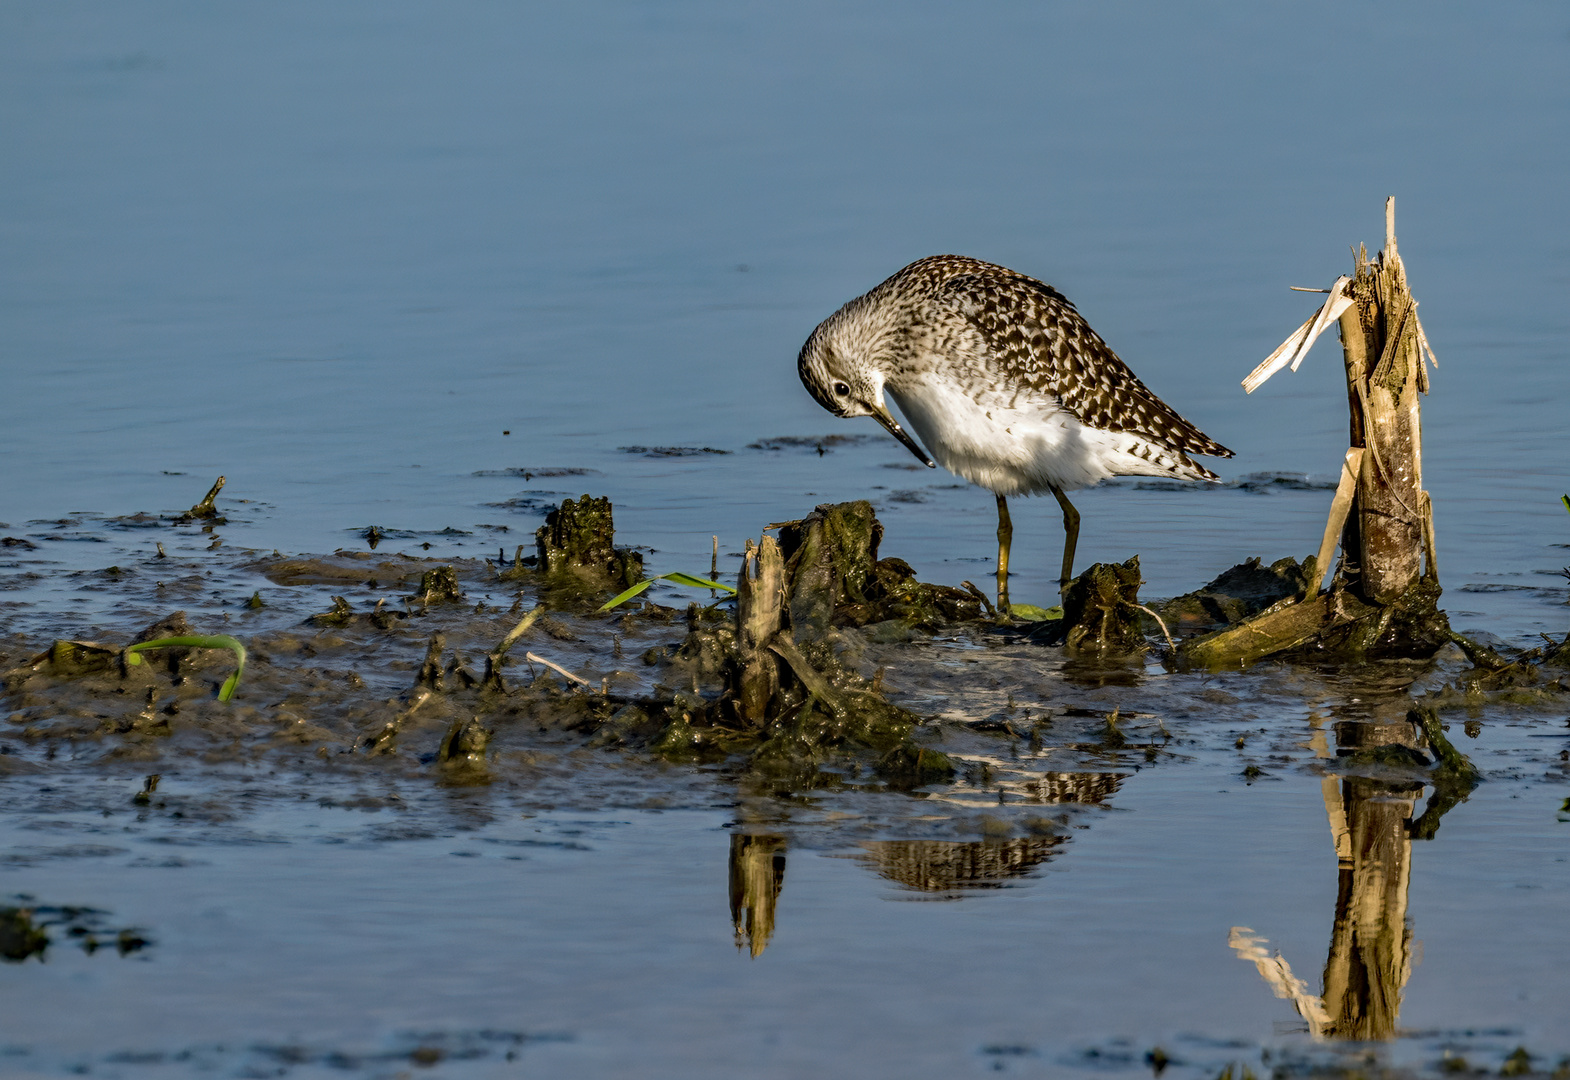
943, 867
1370, 945
1074, 787
24, 931
1370, 956
757, 873
951, 867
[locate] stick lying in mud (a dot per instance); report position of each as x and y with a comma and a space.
493, 660
217, 641
532, 658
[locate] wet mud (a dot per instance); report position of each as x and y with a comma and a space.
838, 706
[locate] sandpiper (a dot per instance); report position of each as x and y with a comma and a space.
1004, 382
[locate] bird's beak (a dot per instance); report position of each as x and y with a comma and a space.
882, 415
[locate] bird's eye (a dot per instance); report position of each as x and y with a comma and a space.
841, 389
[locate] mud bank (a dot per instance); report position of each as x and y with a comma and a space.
392, 699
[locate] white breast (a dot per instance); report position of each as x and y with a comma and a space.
1014, 451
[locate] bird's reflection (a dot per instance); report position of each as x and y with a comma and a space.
1371, 822
757, 873
1091, 788
948, 869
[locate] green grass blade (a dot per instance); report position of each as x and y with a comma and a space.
676, 577
215, 641
696, 582
622, 598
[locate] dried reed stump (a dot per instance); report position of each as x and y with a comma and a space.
1383, 599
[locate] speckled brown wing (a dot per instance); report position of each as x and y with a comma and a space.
1041, 345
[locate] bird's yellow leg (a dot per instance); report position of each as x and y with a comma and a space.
1005, 538
1070, 538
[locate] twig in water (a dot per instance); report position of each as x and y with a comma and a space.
493, 659
207, 508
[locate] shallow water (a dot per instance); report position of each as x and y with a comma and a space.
291, 932
333, 255
383, 264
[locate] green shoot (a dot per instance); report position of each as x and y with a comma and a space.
218, 641
679, 578
1566, 500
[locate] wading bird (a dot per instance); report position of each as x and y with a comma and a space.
1006, 385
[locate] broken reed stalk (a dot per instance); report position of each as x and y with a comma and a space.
1383, 595
760, 610
1389, 532
1340, 508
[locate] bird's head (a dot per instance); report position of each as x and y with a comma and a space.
839, 367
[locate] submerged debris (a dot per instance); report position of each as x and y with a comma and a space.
788, 701
462, 751
1531, 677
1336, 625
206, 509
24, 931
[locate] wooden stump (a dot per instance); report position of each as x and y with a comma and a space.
829, 555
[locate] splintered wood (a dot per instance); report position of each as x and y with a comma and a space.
1381, 516
1382, 343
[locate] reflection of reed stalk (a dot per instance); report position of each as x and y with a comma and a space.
757, 873
1370, 956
